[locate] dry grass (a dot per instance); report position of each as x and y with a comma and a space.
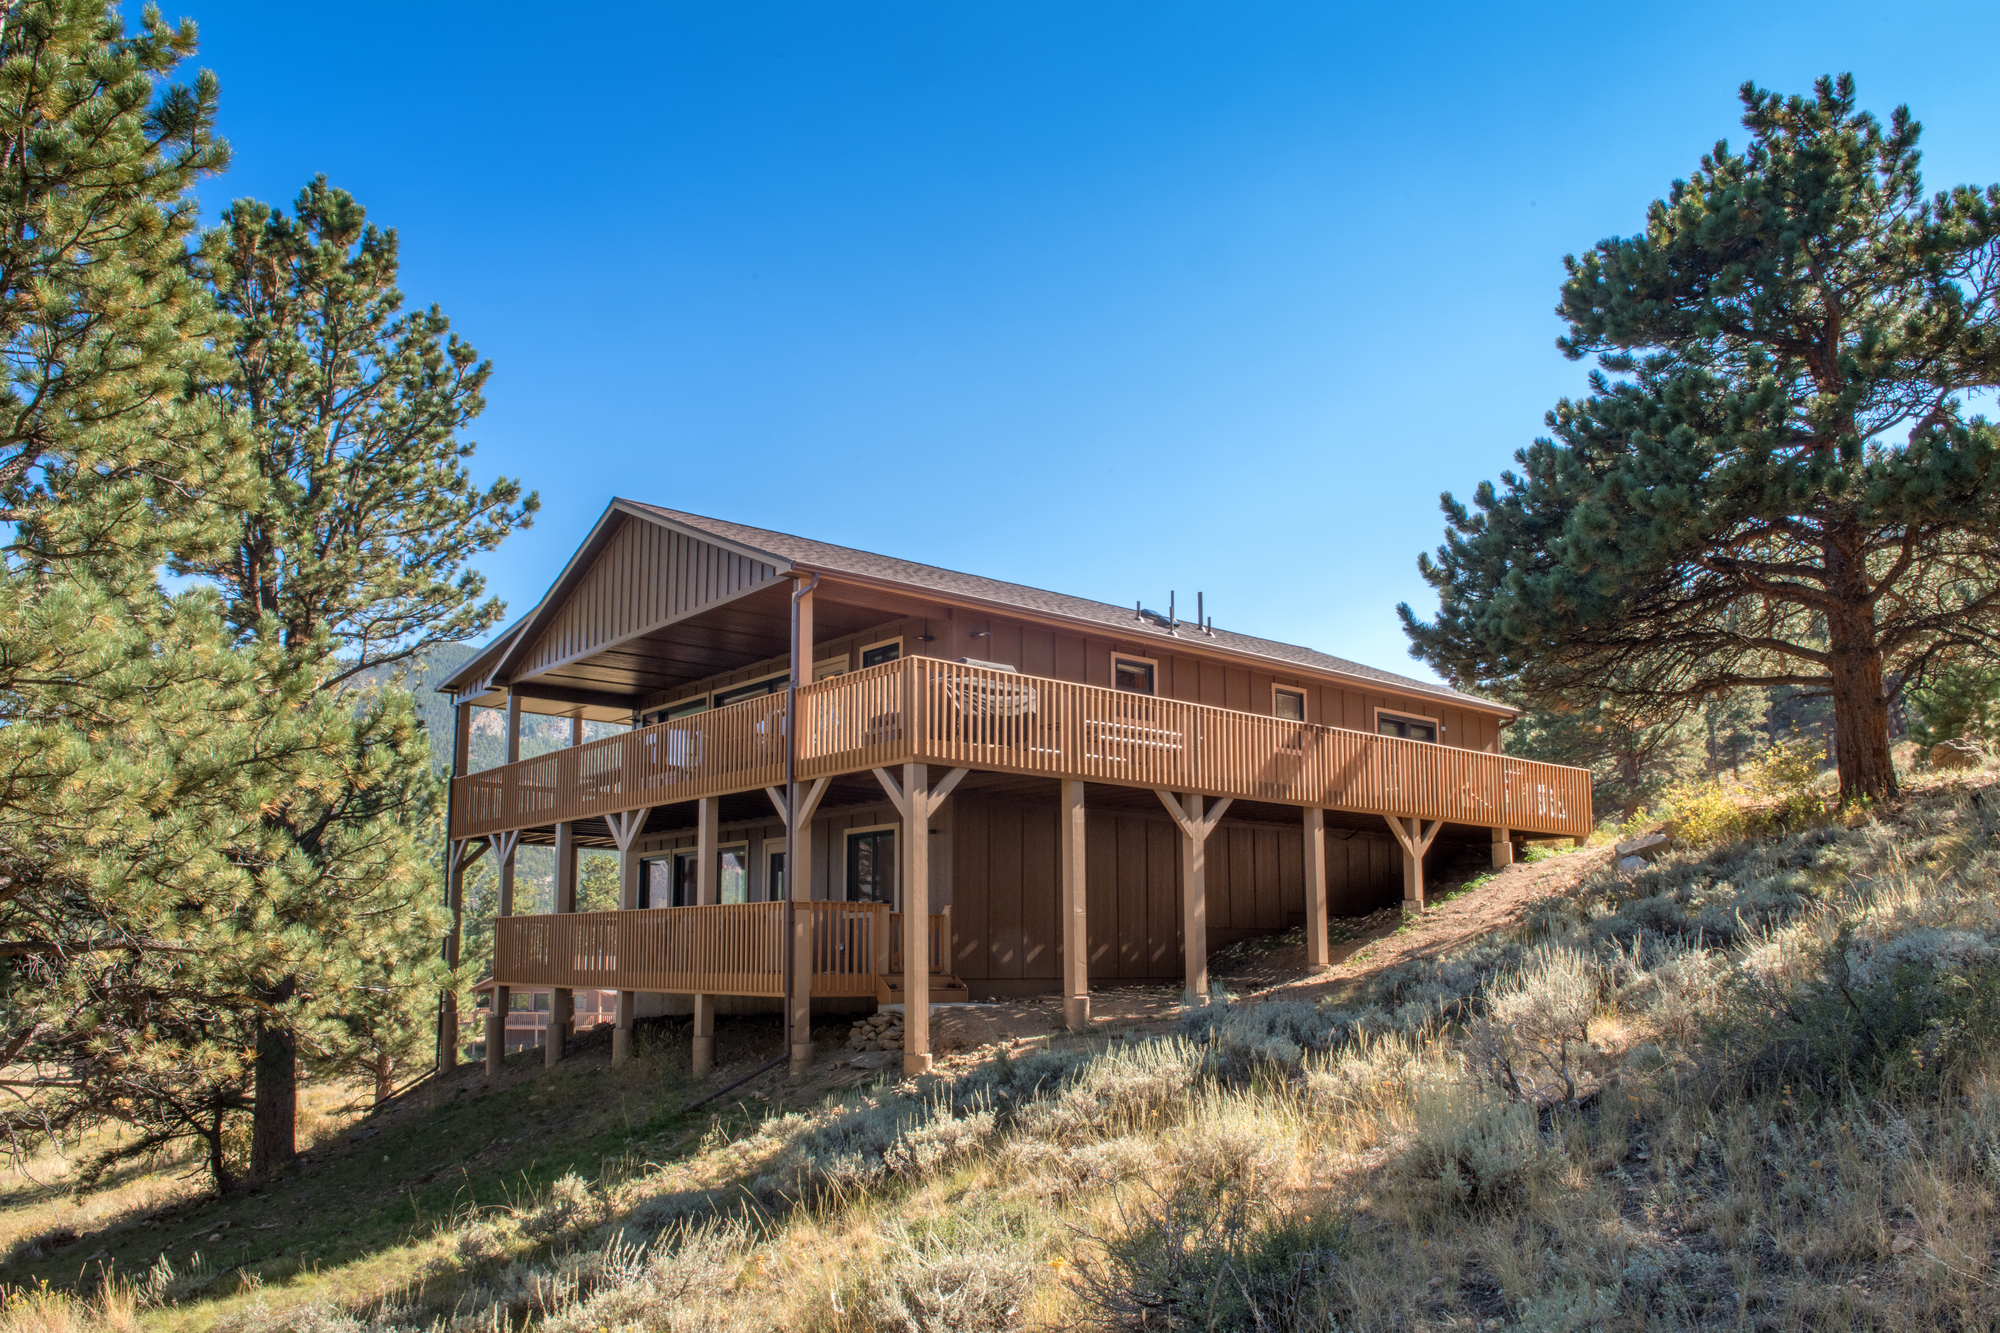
1752, 1086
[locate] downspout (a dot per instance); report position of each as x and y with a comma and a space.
792, 806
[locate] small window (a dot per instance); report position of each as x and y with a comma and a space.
871, 866
875, 654
686, 883
828, 667
1133, 674
1288, 704
732, 879
1409, 728
686, 708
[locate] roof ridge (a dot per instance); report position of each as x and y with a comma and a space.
810, 550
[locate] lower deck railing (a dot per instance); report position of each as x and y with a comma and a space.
727, 949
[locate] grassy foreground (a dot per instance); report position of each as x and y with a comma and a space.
1751, 1086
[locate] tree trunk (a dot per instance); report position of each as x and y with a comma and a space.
275, 1107
1860, 707
383, 1081
218, 1169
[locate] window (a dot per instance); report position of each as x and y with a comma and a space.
1288, 704
1409, 728
686, 708
829, 666
875, 654
774, 870
1134, 674
686, 884
656, 882
871, 866
732, 880
756, 689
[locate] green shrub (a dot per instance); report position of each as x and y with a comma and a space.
1472, 1149
1218, 1260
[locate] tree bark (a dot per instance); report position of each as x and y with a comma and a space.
1860, 706
275, 1108
218, 1169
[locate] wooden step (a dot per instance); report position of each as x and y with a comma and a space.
944, 989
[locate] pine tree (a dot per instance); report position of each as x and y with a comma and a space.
131, 753
1774, 480
1961, 700
349, 566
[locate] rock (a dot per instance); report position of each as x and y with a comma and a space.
1646, 848
960, 1030
1957, 754
1631, 865
876, 1060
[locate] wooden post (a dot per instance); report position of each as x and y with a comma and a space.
628, 900
1195, 827
1415, 840
563, 895
455, 901
916, 922
1503, 847
504, 845
1318, 953
1071, 841
798, 840
513, 727
1194, 899
916, 803
798, 884
706, 825
454, 887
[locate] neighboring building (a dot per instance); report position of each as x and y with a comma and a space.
1105, 793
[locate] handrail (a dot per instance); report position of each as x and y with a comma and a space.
934, 711
723, 949
931, 711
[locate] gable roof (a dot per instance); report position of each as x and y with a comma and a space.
805, 553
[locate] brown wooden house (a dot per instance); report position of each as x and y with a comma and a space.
1037, 791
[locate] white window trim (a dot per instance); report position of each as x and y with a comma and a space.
1153, 662
861, 653
1305, 699
1410, 715
845, 834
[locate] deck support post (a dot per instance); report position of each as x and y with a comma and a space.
1071, 842
1415, 840
625, 829
916, 924
706, 833
798, 885
916, 803
1195, 827
1503, 847
1318, 954
562, 1007
504, 845
461, 750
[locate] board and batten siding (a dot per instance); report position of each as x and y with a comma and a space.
1086, 659
645, 577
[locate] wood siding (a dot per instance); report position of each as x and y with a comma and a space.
645, 577
1006, 921
1086, 660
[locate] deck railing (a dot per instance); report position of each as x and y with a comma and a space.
931, 711
975, 717
726, 949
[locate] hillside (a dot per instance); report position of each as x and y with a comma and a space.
1750, 1085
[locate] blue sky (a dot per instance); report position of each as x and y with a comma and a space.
1111, 298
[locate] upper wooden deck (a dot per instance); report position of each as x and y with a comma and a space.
930, 711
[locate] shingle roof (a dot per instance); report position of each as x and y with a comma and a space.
833, 559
